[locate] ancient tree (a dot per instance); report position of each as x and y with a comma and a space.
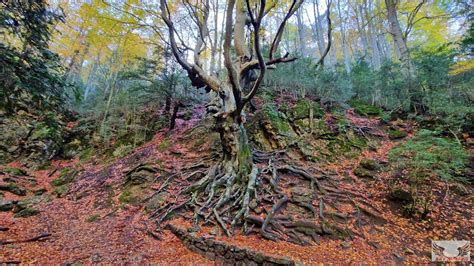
231, 182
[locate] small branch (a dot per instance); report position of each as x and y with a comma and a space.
328, 47
36, 238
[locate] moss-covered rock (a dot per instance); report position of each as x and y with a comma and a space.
27, 212
270, 129
61, 191
13, 188
396, 134
364, 173
25, 208
302, 109
66, 176
156, 202
40, 191
278, 120
365, 109
401, 195
6, 205
132, 195
14, 171
369, 164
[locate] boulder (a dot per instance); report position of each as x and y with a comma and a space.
27, 212
301, 194
13, 188
364, 173
6, 205
369, 164
401, 195
396, 134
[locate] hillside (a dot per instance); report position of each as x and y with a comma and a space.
113, 212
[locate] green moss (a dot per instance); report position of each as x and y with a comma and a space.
396, 134
86, 154
13, 188
362, 172
188, 115
302, 109
277, 119
15, 171
164, 145
61, 190
93, 218
365, 109
429, 154
369, 164
131, 195
66, 176
122, 150
268, 95
26, 212
40, 191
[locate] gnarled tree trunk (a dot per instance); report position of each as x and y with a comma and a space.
229, 185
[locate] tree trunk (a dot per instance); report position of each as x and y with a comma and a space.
397, 34
345, 49
213, 67
318, 20
301, 33
415, 95
167, 108
176, 107
376, 62
361, 30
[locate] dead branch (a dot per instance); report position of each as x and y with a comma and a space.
32, 239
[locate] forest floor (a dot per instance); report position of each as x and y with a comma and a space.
93, 224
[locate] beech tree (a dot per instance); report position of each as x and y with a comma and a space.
233, 179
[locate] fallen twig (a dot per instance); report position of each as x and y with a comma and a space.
36, 238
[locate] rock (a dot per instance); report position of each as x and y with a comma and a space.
66, 176
6, 205
27, 212
400, 195
301, 194
460, 189
156, 201
364, 173
14, 171
369, 164
302, 109
13, 188
396, 134
40, 191
253, 204
364, 109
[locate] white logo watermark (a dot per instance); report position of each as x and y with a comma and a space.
450, 250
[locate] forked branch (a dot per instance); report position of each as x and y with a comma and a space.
197, 75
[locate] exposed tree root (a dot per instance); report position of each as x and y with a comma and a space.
255, 197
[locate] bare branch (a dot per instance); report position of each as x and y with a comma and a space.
197, 75
328, 47
232, 72
411, 18
261, 63
276, 41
